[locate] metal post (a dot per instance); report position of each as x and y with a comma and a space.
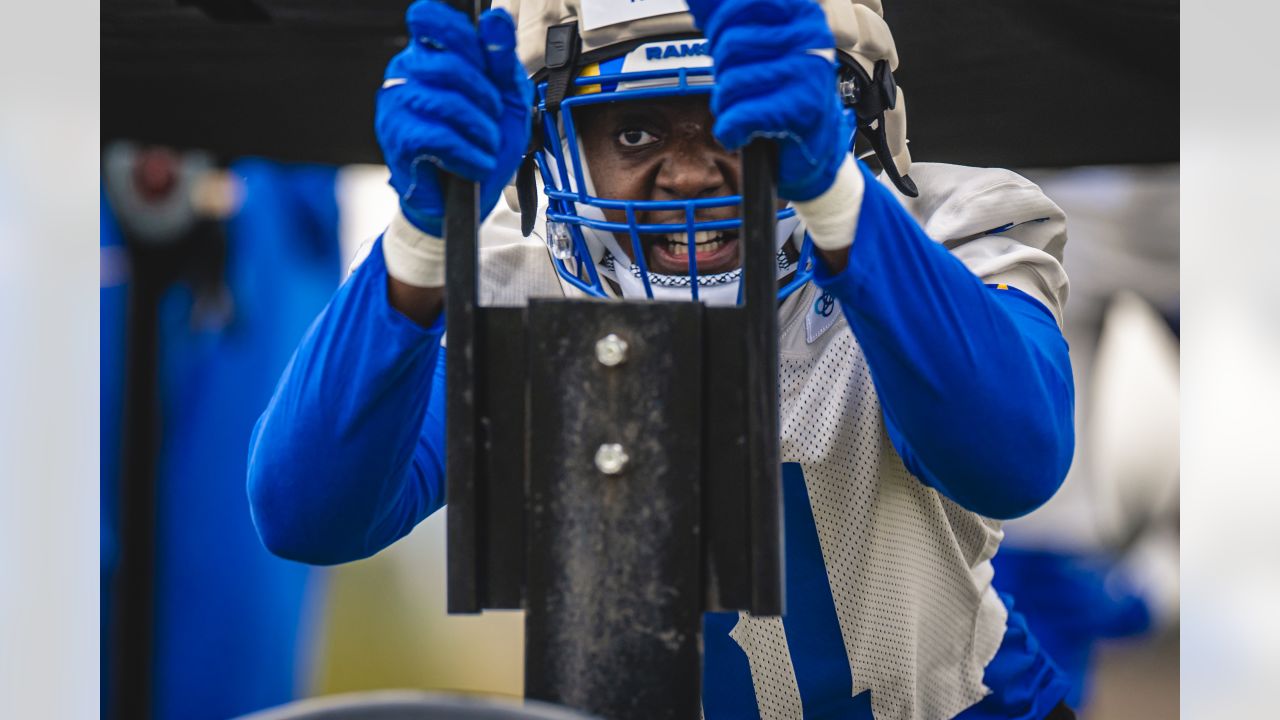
462, 246
759, 220
133, 603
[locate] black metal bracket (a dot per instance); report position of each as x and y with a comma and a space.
613, 468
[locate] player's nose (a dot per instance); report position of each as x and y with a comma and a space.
691, 172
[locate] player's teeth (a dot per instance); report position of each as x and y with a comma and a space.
683, 249
703, 239
699, 238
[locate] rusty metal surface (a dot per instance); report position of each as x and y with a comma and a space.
614, 596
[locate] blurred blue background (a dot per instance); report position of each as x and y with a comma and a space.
228, 615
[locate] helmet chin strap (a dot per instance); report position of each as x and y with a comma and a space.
614, 263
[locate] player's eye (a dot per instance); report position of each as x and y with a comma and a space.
634, 137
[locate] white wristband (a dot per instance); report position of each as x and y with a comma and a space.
832, 217
412, 256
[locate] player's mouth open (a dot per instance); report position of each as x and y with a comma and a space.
715, 251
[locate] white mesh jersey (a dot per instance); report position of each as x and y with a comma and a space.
909, 570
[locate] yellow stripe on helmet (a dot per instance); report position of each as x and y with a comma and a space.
592, 70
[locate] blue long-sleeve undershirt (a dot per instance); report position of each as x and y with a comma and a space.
348, 456
974, 381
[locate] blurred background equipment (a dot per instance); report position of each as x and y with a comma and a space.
200, 620
235, 248
158, 229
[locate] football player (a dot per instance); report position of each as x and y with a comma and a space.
926, 393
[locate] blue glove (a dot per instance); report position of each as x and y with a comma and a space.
772, 82
456, 99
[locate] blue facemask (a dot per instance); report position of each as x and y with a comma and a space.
582, 242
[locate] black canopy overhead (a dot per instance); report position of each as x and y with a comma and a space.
1015, 83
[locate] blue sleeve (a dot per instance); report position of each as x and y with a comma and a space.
974, 381
348, 456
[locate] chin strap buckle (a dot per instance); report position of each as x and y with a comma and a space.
527, 194
526, 182
870, 96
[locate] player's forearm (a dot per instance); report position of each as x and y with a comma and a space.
414, 265
975, 382
336, 470
421, 305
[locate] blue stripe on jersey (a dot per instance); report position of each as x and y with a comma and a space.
727, 690
813, 630
1024, 681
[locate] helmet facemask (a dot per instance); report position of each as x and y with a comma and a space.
585, 250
